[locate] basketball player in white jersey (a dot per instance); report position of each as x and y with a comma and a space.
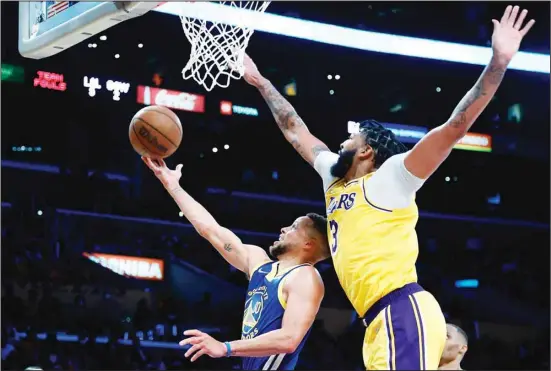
283, 296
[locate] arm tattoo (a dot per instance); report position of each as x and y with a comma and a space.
288, 121
474, 102
228, 247
285, 115
316, 150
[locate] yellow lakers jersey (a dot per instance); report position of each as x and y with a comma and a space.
374, 250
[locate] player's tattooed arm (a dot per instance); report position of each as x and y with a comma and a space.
476, 99
291, 124
435, 147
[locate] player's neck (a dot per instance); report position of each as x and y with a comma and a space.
453, 365
359, 170
290, 261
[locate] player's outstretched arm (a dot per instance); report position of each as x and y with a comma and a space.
288, 120
435, 147
241, 256
305, 291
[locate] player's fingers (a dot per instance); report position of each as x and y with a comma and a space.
197, 355
193, 333
179, 168
520, 20
527, 28
149, 163
506, 14
496, 23
191, 340
192, 350
513, 16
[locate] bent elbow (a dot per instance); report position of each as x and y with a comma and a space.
288, 348
289, 344
453, 131
205, 230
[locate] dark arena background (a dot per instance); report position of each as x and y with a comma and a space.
73, 189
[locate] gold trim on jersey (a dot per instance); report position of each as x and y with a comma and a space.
270, 277
282, 301
333, 184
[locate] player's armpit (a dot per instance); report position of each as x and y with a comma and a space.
291, 125
305, 291
256, 257
429, 153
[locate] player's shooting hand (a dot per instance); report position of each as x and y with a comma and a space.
169, 178
201, 344
508, 33
251, 75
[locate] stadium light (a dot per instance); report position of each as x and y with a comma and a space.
351, 38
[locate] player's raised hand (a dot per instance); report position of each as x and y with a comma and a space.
169, 178
201, 344
508, 33
251, 75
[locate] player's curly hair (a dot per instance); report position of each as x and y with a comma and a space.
383, 141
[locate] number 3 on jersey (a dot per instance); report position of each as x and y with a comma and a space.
334, 227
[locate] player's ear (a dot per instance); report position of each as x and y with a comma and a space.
310, 243
463, 349
366, 152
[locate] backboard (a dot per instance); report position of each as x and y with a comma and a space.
49, 27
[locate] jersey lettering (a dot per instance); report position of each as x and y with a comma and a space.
264, 313
253, 311
345, 201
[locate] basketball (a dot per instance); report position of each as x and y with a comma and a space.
155, 132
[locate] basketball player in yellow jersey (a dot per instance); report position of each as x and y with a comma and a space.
370, 191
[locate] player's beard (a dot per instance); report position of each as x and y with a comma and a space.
278, 249
343, 164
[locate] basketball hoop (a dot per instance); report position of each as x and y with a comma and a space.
217, 46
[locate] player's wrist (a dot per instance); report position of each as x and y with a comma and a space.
500, 61
260, 82
173, 188
228, 347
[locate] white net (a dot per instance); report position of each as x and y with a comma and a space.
218, 44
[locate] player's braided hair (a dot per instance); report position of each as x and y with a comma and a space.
382, 140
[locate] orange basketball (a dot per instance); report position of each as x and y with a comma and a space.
155, 132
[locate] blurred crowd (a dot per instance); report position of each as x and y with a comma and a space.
49, 288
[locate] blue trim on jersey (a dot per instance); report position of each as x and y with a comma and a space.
264, 313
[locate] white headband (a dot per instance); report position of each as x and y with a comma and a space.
353, 127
